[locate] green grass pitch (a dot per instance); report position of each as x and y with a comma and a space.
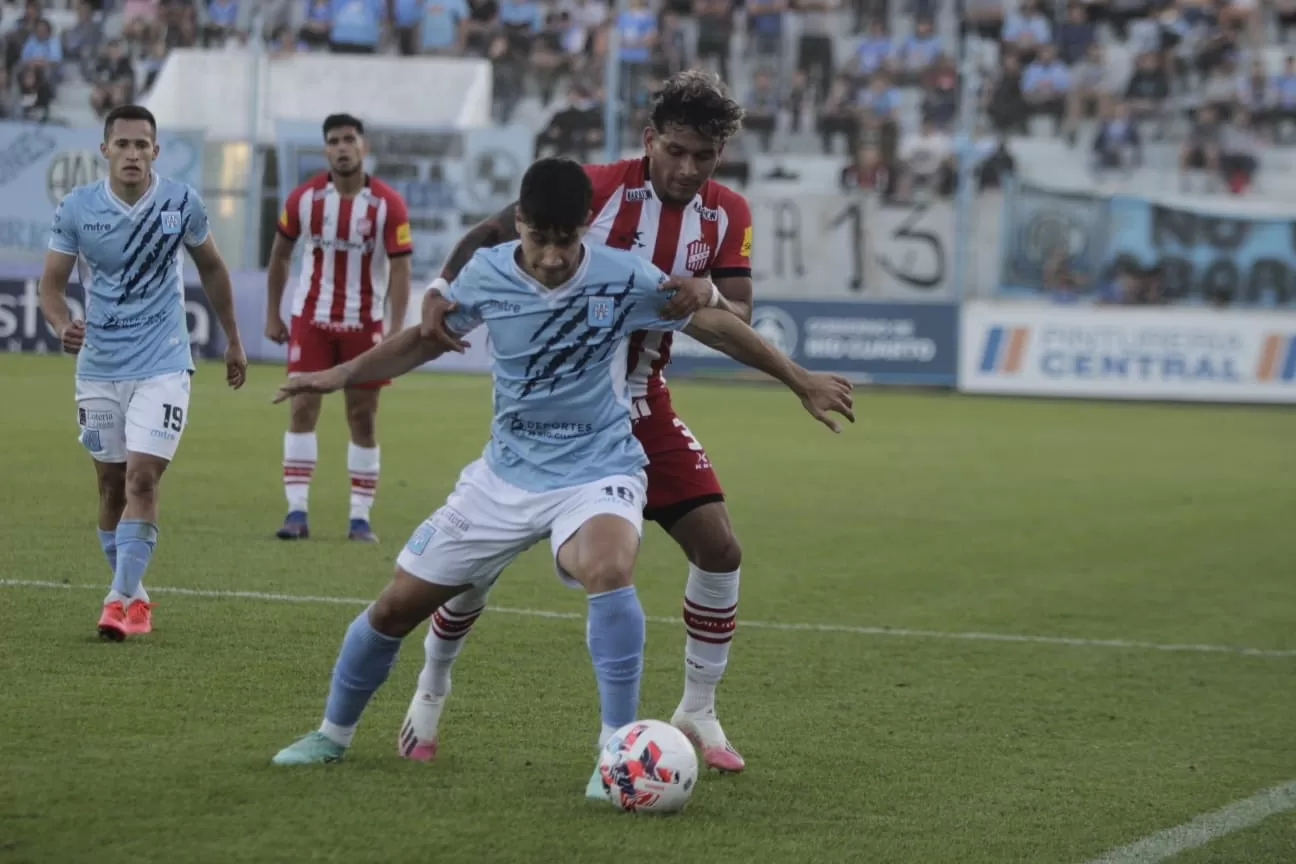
934, 513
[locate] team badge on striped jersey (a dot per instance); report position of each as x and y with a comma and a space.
170, 222
698, 254
601, 311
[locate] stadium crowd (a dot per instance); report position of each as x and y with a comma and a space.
855, 77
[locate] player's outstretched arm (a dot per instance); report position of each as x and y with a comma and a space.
820, 393
53, 300
391, 358
216, 284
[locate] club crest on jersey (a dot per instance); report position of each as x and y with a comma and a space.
640, 194
707, 214
363, 227
601, 311
698, 253
170, 222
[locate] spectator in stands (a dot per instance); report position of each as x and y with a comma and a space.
1116, 146
7, 107
1046, 83
839, 115
1239, 152
34, 95
820, 21
1148, 89
283, 43
798, 102
356, 26
1027, 30
482, 27
765, 22
868, 173
1283, 109
182, 32
113, 78
1201, 150
715, 30
150, 65
576, 130
762, 106
221, 23
441, 28
1091, 89
1286, 15
637, 29
1005, 103
941, 93
509, 73
1075, 35
926, 162
81, 41
1064, 283
43, 52
140, 21
919, 51
315, 29
996, 167
17, 37
671, 54
1121, 12
548, 59
407, 16
874, 51
1221, 88
985, 18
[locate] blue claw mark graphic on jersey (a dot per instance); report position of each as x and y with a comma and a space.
580, 308
165, 245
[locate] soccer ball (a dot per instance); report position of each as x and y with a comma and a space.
649, 767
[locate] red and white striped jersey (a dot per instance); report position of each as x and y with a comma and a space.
710, 235
349, 246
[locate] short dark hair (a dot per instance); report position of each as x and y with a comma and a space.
341, 121
699, 101
555, 196
129, 112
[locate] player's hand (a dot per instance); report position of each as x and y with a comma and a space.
235, 365
824, 393
691, 294
73, 336
328, 381
276, 330
432, 324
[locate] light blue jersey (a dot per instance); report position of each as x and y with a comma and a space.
562, 405
135, 312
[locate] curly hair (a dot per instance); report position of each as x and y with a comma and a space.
697, 100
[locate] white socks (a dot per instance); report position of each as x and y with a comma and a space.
446, 632
300, 453
710, 612
362, 464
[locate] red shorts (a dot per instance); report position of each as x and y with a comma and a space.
312, 348
680, 476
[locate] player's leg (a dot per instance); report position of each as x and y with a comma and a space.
362, 459
448, 628
596, 541
156, 416
686, 500
101, 421
474, 536
309, 350
368, 652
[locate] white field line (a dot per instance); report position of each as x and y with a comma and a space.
1205, 828
1075, 642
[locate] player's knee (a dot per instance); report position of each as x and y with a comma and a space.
305, 413
406, 602
607, 575
112, 489
718, 553
142, 482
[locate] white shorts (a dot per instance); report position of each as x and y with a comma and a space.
143, 416
486, 523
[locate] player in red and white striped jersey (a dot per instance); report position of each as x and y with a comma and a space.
665, 207
357, 259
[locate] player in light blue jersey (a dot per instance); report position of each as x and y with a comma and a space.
561, 463
134, 362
